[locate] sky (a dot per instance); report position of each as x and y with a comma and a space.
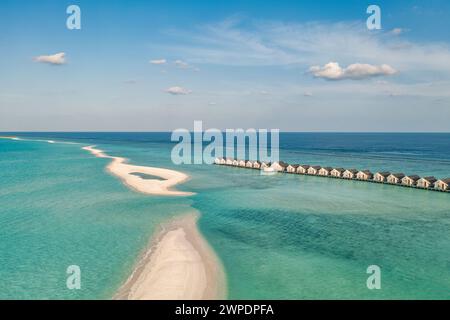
288, 65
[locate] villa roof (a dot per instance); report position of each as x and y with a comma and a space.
283, 164
294, 165
306, 166
384, 173
316, 167
339, 169
446, 180
366, 171
413, 177
327, 168
430, 179
398, 175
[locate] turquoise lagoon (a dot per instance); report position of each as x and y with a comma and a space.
279, 237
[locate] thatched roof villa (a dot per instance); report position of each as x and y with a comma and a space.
249, 164
364, 175
303, 169
426, 182
381, 176
443, 184
350, 174
395, 178
229, 161
314, 170
279, 166
264, 165
410, 180
337, 172
325, 171
292, 168
256, 164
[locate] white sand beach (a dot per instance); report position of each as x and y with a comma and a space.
125, 172
179, 265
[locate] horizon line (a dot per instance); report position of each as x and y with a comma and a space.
123, 131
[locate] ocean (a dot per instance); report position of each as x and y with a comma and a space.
278, 237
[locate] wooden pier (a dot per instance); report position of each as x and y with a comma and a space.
384, 177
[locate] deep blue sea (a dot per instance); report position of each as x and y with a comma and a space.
278, 237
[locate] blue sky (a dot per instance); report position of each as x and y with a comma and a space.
160, 65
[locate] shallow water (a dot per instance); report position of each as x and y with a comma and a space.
279, 237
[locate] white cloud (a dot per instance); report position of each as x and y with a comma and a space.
249, 43
356, 71
57, 59
178, 91
181, 64
212, 103
307, 94
158, 61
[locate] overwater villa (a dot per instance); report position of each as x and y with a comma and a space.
426, 182
443, 184
292, 168
256, 164
350, 174
265, 165
381, 176
249, 164
429, 183
279, 166
364, 175
303, 169
325, 171
410, 181
313, 170
241, 163
337, 172
395, 178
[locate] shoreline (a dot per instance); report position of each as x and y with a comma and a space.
119, 168
178, 264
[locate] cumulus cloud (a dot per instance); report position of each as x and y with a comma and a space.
158, 61
56, 59
178, 91
356, 71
